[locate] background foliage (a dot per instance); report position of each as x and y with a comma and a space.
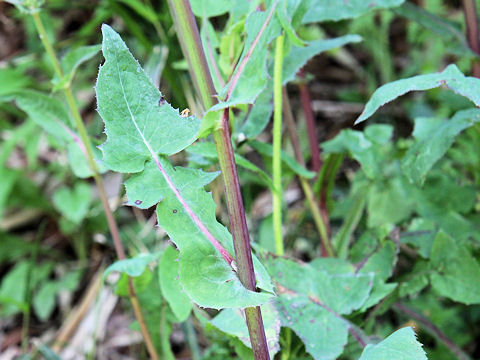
399, 192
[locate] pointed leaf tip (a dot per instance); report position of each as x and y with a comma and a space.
451, 77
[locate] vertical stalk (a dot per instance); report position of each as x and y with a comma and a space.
471, 20
192, 48
120, 251
326, 246
277, 146
310, 121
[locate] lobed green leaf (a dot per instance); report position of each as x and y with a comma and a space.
140, 134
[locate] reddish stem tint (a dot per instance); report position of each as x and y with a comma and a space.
471, 20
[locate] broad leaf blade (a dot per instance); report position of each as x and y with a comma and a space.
451, 77
457, 271
313, 307
139, 135
434, 137
135, 124
401, 345
203, 273
170, 284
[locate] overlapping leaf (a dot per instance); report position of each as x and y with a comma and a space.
250, 76
232, 322
334, 10
433, 138
313, 307
451, 77
457, 271
401, 345
298, 56
171, 288
140, 133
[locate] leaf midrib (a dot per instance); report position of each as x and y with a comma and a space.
201, 226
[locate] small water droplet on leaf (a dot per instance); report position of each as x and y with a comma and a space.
138, 202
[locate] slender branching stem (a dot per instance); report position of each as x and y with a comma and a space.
120, 251
327, 248
471, 20
189, 38
277, 193
432, 329
316, 161
310, 122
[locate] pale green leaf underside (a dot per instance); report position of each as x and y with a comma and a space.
335, 10
451, 77
401, 345
170, 285
128, 102
139, 135
205, 276
232, 322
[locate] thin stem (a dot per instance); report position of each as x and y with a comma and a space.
277, 146
327, 248
189, 38
310, 121
471, 20
317, 163
120, 251
433, 329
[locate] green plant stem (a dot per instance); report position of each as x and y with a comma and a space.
342, 239
191, 44
432, 329
277, 194
98, 180
471, 20
192, 340
327, 248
